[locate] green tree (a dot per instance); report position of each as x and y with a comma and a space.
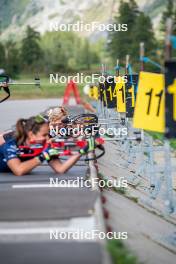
120, 42
143, 32
12, 59
134, 7
139, 30
174, 22
168, 13
2, 57
85, 58
65, 51
59, 50
31, 52
174, 29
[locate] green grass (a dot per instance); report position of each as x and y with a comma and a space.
173, 143
156, 135
160, 136
120, 254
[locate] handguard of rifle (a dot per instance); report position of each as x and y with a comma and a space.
26, 151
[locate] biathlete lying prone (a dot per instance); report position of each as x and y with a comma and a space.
34, 129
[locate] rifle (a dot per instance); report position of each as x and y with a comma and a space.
85, 119
83, 122
64, 148
4, 84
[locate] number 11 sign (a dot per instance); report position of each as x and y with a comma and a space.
170, 84
149, 108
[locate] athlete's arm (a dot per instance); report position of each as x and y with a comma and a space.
20, 168
17, 166
60, 167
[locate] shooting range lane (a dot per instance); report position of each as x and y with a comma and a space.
53, 253
45, 203
29, 213
42, 174
40, 210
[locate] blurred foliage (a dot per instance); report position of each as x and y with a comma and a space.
120, 254
65, 51
127, 42
9, 58
161, 138
2, 54
169, 12
12, 58
31, 53
52, 52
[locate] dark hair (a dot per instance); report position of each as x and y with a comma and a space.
23, 126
